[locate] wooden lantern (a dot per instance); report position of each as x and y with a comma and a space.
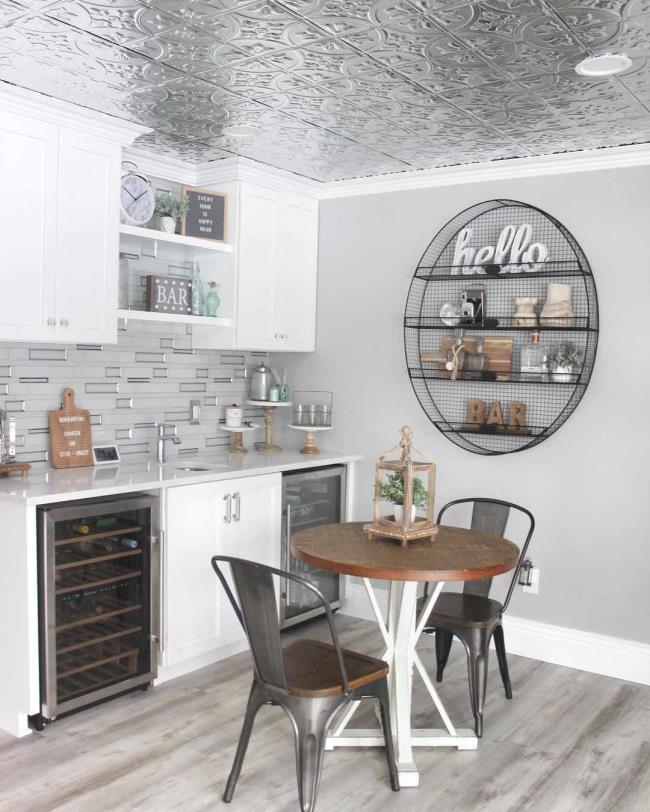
409, 469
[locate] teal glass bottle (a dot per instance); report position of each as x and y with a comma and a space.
197, 290
212, 301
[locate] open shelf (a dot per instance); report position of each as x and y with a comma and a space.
174, 318
176, 239
449, 273
490, 431
578, 324
512, 378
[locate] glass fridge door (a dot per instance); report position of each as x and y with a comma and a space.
311, 499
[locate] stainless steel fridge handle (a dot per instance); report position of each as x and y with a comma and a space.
288, 530
236, 516
228, 514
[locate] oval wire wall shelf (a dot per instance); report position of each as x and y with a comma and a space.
548, 399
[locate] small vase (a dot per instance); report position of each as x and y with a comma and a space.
562, 374
525, 315
557, 310
398, 513
212, 301
167, 224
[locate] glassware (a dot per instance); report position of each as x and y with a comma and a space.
212, 301
533, 359
197, 289
299, 415
260, 383
477, 361
274, 393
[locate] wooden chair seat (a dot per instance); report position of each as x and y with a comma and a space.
464, 609
312, 669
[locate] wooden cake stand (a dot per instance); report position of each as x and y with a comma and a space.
237, 432
310, 440
269, 408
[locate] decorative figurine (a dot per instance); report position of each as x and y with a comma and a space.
557, 310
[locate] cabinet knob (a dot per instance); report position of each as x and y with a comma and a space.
51, 322
64, 322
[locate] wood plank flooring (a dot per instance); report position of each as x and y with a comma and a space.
568, 742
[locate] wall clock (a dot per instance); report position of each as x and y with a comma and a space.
499, 277
137, 199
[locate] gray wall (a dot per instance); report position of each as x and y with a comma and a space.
588, 484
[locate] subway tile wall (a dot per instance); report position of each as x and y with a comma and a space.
151, 375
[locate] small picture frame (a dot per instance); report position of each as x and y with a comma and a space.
206, 214
106, 455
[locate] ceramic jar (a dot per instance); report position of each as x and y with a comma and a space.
557, 310
525, 315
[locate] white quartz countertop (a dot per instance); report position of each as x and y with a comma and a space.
49, 485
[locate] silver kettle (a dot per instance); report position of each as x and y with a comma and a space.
260, 383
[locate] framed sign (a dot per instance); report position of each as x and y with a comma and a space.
169, 294
206, 214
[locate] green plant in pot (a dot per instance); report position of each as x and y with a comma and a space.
564, 360
393, 491
169, 210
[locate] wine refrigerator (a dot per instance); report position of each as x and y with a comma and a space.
310, 498
98, 600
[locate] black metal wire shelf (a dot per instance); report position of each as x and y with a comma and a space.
576, 325
509, 299
513, 378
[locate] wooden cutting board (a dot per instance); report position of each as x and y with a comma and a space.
71, 443
497, 349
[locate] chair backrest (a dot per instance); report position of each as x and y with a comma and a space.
491, 516
257, 610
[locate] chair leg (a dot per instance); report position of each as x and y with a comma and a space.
381, 692
255, 701
311, 719
477, 646
444, 639
500, 646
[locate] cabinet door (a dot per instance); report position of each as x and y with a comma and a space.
294, 294
28, 172
255, 531
87, 239
194, 609
256, 247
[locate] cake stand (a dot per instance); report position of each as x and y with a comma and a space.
237, 432
310, 439
269, 407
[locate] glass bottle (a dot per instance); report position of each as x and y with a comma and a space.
197, 289
477, 361
533, 359
212, 301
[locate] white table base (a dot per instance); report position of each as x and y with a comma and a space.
400, 635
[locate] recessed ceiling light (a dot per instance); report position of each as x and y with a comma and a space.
605, 65
239, 131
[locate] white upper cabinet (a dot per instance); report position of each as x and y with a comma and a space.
28, 179
277, 264
87, 239
59, 223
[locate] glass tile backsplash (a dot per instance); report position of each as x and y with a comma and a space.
149, 375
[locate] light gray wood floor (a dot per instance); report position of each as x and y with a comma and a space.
568, 742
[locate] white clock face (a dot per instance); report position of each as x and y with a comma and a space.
137, 200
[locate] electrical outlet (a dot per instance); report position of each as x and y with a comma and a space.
533, 589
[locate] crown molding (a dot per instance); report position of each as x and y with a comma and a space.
161, 166
507, 169
245, 169
24, 102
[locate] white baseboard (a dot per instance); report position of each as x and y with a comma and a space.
572, 648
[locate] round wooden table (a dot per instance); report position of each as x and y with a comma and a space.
455, 554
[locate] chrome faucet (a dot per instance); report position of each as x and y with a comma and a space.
163, 437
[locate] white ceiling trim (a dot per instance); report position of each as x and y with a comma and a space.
64, 114
163, 167
558, 164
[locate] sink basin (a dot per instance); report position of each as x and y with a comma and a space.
191, 468
198, 468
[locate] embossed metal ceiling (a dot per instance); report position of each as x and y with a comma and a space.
335, 89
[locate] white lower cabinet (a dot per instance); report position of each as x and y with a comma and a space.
237, 517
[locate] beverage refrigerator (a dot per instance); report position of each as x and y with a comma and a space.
98, 601
309, 498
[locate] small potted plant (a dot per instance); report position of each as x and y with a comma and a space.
393, 491
563, 361
169, 210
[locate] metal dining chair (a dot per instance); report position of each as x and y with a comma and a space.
310, 680
472, 615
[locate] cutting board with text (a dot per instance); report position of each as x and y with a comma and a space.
71, 441
497, 349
